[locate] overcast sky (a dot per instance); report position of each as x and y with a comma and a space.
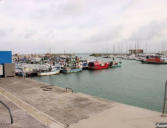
34, 26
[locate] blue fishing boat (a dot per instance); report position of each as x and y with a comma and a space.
84, 63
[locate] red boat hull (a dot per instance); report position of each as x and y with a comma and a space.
97, 65
154, 60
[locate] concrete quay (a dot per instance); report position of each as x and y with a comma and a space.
39, 105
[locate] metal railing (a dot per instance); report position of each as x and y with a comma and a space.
161, 125
165, 98
10, 114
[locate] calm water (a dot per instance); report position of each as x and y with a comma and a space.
134, 83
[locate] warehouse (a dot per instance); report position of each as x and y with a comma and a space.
7, 68
136, 51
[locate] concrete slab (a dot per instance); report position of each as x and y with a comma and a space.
122, 116
40, 116
66, 108
78, 110
21, 118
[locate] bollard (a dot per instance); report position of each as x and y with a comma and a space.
69, 89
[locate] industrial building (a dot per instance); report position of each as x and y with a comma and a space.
7, 68
136, 51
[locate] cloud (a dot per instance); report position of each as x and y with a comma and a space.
148, 32
110, 34
70, 24
2, 33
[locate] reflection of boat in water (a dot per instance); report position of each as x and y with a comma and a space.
154, 60
96, 65
71, 70
53, 71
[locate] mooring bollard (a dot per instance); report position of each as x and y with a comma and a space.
69, 89
165, 98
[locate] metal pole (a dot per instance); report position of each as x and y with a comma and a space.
165, 98
11, 117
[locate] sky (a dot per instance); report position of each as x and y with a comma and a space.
73, 26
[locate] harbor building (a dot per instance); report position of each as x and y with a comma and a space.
5, 57
7, 68
136, 51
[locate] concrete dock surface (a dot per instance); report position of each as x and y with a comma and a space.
39, 105
21, 118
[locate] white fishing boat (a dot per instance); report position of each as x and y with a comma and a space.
131, 57
48, 73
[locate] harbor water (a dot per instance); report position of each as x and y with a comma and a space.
134, 83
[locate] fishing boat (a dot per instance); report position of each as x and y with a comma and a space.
72, 65
131, 57
114, 64
139, 58
154, 59
53, 71
106, 56
19, 72
84, 63
96, 65
71, 70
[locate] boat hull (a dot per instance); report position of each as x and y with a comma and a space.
48, 73
98, 66
154, 60
116, 65
151, 62
71, 70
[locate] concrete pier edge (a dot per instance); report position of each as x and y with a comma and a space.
38, 115
23, 92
